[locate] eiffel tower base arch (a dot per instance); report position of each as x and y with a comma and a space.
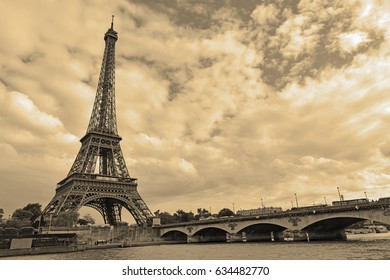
107, 195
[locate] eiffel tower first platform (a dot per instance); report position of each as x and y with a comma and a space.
99, 177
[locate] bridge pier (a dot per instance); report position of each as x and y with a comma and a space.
264, 236
294, 235
193, 239
236, 237
254, 237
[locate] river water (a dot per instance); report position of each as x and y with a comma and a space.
359, 246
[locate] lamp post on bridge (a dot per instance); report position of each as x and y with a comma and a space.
325, 200
365, 193
338, 190
296, 199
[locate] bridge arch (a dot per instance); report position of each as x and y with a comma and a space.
343, 220
211, 234
261, 231
210, 228
175, 235
333, 223
264, 226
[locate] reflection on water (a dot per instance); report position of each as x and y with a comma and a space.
359, 246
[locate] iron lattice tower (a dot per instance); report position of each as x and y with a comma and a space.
99, 177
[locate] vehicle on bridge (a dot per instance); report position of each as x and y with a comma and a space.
384, 199
257, 211
308, 209
350, 202
311, 207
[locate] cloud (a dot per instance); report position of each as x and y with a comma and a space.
306, 39
351, 41
265, 15
21, 109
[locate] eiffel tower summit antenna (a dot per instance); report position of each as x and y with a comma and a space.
99, 177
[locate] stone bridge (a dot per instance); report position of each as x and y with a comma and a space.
326, 223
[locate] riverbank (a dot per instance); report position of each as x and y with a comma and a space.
68, 249
40, 251
132, 244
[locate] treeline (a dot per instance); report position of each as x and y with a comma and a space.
24, 217
181, 216
31, 216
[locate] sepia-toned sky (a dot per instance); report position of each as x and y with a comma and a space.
218, 102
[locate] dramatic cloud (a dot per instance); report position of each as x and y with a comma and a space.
218, 102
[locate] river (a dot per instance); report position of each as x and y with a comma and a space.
359, 246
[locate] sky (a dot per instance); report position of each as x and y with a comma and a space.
220, 104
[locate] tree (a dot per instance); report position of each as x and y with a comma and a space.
225, 212
16, 223
67, 219
89, 219
20, 218
35, 209
178, 217
183, 216
167, 218
201, 212
22, 215
26, 216
1, 213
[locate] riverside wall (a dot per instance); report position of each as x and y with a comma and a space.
110, 234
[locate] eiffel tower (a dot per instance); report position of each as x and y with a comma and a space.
99, 177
